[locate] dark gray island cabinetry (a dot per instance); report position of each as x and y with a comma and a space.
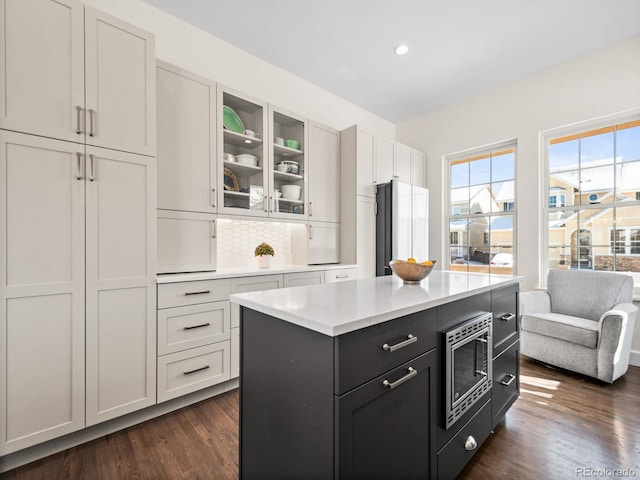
347, 381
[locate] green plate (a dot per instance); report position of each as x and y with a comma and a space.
231, 120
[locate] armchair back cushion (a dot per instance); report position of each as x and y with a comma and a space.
587, 294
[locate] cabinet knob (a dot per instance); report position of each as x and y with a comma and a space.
470, 443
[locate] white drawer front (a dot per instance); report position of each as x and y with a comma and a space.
340, 275
193, 326
303, 278
191, 370
191, 293
252, 284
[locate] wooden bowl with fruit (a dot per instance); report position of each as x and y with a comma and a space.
410, 271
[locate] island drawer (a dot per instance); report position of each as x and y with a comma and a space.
191, 293
504, 305
506, 382
455, 455
191, 326
191, 370
372, 351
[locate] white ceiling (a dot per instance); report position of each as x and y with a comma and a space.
458, 48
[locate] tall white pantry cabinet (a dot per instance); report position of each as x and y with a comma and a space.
77, 220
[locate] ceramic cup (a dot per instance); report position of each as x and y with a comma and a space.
279, 141
250, 133
292, 143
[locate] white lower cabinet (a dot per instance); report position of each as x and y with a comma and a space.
235, 352
77, 294
194, 332
340, 275
324, 243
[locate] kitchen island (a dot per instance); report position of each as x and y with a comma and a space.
349, 380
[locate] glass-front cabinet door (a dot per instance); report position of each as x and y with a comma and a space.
288, 197
242, 154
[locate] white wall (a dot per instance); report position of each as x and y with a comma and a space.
192, 49
601, 83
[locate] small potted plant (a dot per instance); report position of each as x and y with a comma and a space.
264, 252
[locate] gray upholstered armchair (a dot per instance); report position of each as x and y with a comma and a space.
582, 322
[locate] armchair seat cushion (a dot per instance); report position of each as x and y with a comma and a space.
577, 330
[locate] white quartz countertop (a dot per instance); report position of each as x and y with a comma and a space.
338, 308
247, 272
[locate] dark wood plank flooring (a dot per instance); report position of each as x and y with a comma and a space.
560, 424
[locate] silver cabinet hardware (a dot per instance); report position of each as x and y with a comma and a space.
213, 226
91, 122
197, 326
508, 382
470, 443
92, 159
78, 119
412, 372
508, 317
310, 232
310, 208
79, 165
264, 203
343, 275
189, 372
213, 197
200, 292
390, 348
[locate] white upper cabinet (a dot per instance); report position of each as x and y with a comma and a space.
288, 165
385, 160
403, 163
324, 176
120, 90
187, 169
42, 83
418, 168
47, 76
357, 150
243, 173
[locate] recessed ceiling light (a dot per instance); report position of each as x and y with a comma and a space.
401, 50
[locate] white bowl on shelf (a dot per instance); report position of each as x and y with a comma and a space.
290, 192
247, 159
229, 157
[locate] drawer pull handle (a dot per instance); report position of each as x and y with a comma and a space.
390, 348
196, 370
508, 382
391, 385
507, 317
200, 292
197, 326
470, 443
343, 275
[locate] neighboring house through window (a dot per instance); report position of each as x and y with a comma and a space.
592, 182
481, 207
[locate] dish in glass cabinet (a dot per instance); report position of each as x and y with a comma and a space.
231, 120
230, 181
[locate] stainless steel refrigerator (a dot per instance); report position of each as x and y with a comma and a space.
402, 224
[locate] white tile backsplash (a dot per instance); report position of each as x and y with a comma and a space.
237, 240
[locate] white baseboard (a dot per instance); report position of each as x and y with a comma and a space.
634, 358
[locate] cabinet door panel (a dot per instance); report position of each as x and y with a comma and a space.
186, 140
303, 278
186, 242
324, 177
121, 283
365, 148
403, 163
252, 284
324, 243
418, 169
120, 77
385, 160
367, 415
42, 62
41, 290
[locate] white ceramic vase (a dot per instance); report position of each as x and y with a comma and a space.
264, 260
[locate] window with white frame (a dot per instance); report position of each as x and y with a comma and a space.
481, 207
596, 166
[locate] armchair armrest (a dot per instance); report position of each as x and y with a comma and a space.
614, 341
535, 301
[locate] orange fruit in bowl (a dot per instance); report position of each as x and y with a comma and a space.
428, 263
411, 260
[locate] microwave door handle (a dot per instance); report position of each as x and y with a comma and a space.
484, 340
